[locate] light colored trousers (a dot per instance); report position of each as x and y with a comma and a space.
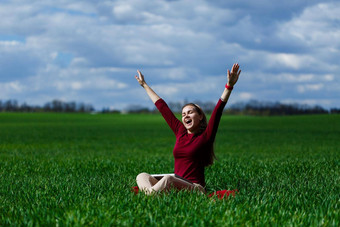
149, 184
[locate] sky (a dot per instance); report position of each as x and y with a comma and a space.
89, 51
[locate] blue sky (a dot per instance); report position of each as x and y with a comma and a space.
89, 51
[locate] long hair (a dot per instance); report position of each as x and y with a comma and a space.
209, 157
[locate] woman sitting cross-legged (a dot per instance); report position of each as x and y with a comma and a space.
195, 137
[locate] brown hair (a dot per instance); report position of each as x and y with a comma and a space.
209, 157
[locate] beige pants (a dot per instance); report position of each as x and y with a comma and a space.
149, 184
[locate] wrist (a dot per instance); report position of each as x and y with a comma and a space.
229, 87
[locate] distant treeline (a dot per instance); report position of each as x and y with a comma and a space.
53, 106
252, 107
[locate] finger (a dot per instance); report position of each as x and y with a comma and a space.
141, 76
239, 73
235, 67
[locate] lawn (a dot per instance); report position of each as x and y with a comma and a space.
78, 169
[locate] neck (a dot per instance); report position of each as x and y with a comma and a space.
193, 131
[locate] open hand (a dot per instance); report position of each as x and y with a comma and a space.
233, 75
140, 78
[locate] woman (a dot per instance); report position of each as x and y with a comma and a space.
193, 150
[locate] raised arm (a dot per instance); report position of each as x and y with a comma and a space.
169, 117
153, 96
233, 76
214, 120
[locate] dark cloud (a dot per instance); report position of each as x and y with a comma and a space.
17, 61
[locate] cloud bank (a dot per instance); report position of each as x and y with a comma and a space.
89, 51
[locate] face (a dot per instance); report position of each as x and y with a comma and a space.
191, 119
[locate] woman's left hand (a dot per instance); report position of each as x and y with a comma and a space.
233, 75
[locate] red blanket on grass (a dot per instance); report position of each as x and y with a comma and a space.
220, 194
223, 193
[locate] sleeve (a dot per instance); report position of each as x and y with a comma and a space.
175, 125
214, 120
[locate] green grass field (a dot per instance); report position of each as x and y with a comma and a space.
78, 169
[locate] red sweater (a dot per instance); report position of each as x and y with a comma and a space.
190, 150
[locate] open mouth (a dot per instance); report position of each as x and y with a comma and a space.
188, 121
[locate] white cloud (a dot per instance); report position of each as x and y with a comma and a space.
89, 84
10, 88
293, 61
9, 44
317, 26
293, 78
309, 87
246, 96
311, 102
206, 88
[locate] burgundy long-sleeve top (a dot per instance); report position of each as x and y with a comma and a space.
191, 150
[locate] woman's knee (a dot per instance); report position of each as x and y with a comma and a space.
142, 176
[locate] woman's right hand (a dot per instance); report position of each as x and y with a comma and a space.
140, 78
